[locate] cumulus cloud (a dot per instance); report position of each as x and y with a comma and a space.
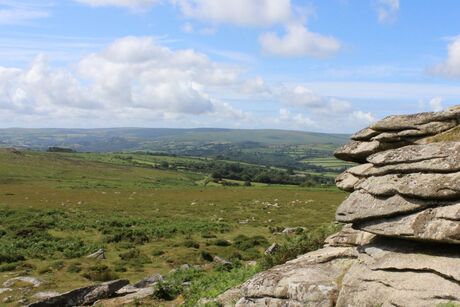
299, 41
436, 104
387, 10
302, 97
131, 4
131, 74
360, 117
450, 68
20, 12
237, 12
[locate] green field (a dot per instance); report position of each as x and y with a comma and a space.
57, 208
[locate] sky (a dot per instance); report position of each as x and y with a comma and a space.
324, 65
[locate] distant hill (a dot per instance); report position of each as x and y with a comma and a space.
158, 139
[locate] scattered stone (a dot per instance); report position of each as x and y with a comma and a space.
223, 262
100, 254
272, 249
149, 281
127, 299
3, 290
35, 282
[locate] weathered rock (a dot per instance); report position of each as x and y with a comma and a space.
364, 135
226, 299
361, 206
99, 254
414, 121
356, 151
127, 299
223, 262
349, 237
346, 181
417, 185
450, 151
83, 296
441, 224
396, 273
271, 249
44, 295
310, 279
35, 282
149, 281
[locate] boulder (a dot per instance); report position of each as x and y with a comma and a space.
310, 279
357, 151
83, 296
148, 281
398, 273
99, 254
271, 249
126, 299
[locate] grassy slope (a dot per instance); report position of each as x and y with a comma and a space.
83, 197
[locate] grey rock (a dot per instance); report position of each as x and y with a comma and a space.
364, 135
271, 249
440, 224
417, 185
361, 206
348, 236
356, 151
148, 281
309, 279
127, 299
346, 181
83, 296
414, 121
397, 273
449, 151
99, 254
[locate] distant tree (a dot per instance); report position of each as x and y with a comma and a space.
60, 149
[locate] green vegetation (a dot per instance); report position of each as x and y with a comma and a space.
56, 208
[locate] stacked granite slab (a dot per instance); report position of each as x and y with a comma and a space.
401, 242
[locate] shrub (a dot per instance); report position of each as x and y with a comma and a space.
166, 291
243, 242
191, 244
74, 268
99, 273
221, 242
207, 256
130, 254
8, 267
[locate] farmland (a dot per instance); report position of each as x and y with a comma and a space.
56, 208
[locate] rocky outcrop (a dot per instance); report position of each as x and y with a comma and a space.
401, 244
397, 131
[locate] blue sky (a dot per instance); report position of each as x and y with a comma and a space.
329, 66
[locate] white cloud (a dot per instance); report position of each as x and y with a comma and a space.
297, 121
133, 76
131, 4
436, 104
302, 97
299, 41
360, 117
237, 12
387, 10
21, 12
450, 68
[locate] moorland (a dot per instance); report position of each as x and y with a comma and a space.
154, 209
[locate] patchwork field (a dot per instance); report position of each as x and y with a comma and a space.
57, 208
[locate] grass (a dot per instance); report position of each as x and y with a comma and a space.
57, 208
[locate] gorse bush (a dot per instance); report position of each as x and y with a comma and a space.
243, 242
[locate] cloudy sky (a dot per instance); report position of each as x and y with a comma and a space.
328, 66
